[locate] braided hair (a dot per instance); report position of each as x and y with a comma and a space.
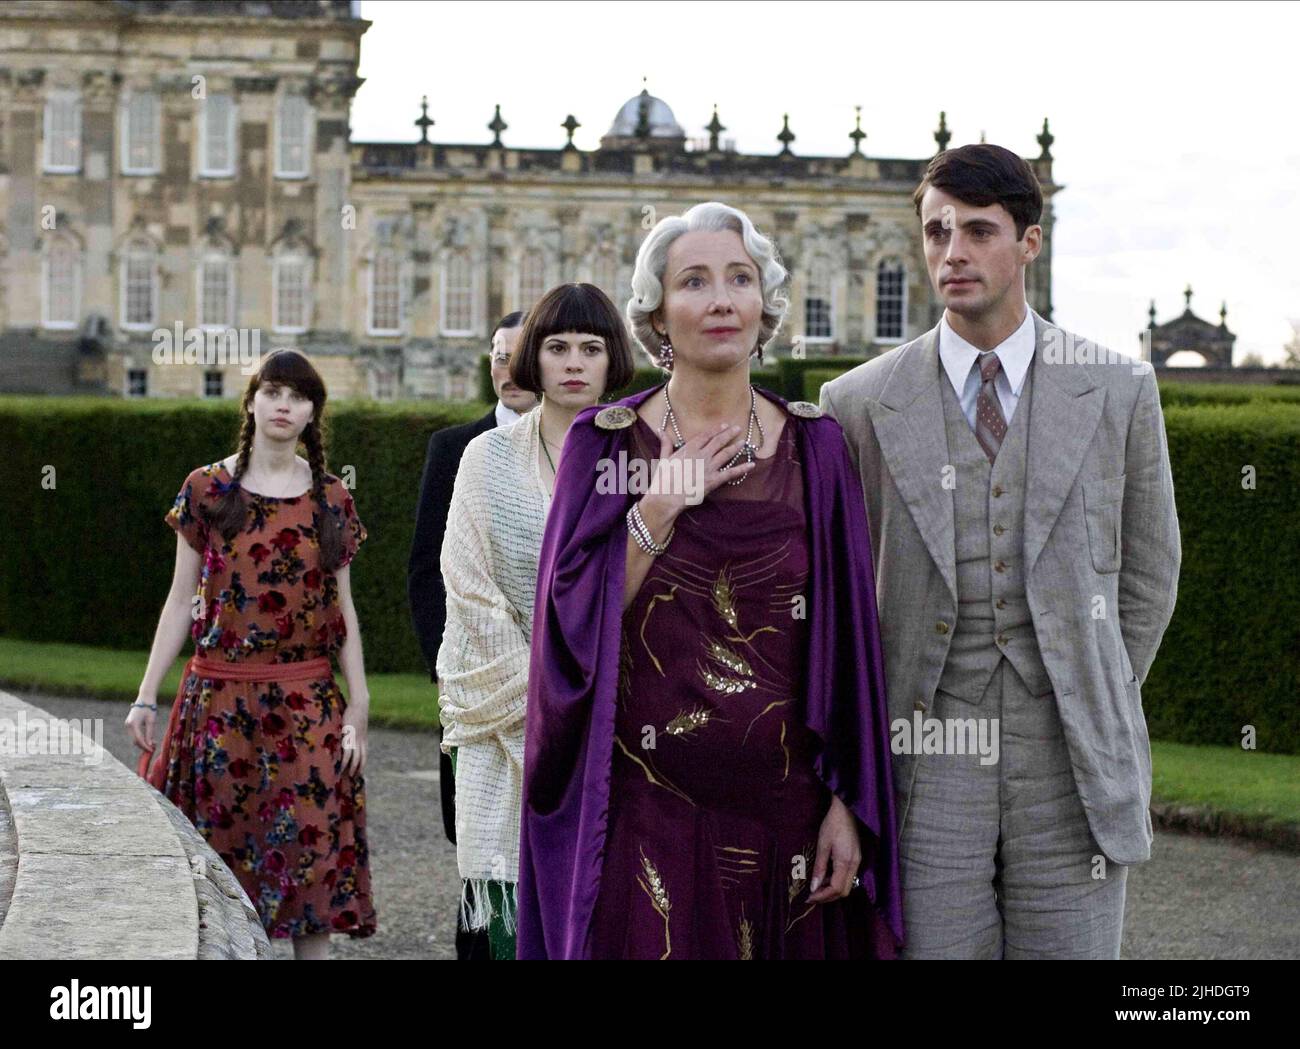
229, 512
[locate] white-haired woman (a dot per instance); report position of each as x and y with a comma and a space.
707, 762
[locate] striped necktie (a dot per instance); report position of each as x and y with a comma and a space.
990, 424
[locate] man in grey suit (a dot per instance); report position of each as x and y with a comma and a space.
1026, 550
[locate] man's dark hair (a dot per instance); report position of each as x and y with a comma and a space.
510, 320
982, 174
582, 309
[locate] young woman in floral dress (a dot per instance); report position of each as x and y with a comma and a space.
262, 753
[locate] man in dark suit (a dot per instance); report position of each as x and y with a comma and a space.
424, 586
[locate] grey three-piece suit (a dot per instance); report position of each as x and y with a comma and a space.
1035, 590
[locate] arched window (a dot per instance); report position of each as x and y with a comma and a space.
139, 285
291, 292
61, 284
457, 294
532, 278
385, 315
891, 300
215, 288
818, 312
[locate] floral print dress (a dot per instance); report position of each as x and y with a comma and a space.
257, 765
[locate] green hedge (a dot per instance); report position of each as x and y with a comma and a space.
90, 560
1231, 655
813, 381
1195, 393
642, 379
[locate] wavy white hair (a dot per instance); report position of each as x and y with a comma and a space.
652, 258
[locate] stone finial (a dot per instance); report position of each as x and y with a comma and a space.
1045, 139
943, 136
1151, 314
857, 134
1223, 315
1187, 295
786, 136
497, 126
424, 122
570, 126
715, 128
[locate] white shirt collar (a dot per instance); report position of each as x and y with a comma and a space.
505, 415
1015, 353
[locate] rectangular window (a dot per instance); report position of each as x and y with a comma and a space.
890, 299
293, 138
386, 294
217, 130
457, 296
62, 132
137, 382
141, 144
139, 291
213, 384
59, 305
290, 295
216, 293
385, 384
817, 317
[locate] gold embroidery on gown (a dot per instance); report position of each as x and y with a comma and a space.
652, 774
653, 886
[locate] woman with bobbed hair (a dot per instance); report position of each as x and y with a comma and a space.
573, 348
707, 762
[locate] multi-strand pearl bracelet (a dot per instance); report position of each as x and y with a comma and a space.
641, 534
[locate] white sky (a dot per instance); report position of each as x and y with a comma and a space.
1175, 123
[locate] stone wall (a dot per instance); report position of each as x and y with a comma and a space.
96, 864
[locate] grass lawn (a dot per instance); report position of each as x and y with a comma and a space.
406, 701
1225, 779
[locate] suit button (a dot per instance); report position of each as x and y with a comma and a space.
999, 566
1002, 639
997, 491
941, 627
998, 529
1001, 603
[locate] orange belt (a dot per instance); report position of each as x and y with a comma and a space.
304, 670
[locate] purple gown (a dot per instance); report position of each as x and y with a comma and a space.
624, 859
715, 805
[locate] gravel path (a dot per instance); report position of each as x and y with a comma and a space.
1198, 897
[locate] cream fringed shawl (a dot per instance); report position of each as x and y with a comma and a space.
489, 565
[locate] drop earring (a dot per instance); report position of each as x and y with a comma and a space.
665, 353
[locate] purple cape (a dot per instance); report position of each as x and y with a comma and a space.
573, 684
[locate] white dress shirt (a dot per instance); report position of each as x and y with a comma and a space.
959, 358
506, 416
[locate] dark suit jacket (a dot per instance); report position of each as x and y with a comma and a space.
424, 587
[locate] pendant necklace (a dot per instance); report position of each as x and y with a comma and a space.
747, 450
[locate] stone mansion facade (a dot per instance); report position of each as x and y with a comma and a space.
187, 166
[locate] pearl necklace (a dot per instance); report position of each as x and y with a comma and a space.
748, 449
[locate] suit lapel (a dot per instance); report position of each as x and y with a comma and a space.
1065, 410
908, 420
